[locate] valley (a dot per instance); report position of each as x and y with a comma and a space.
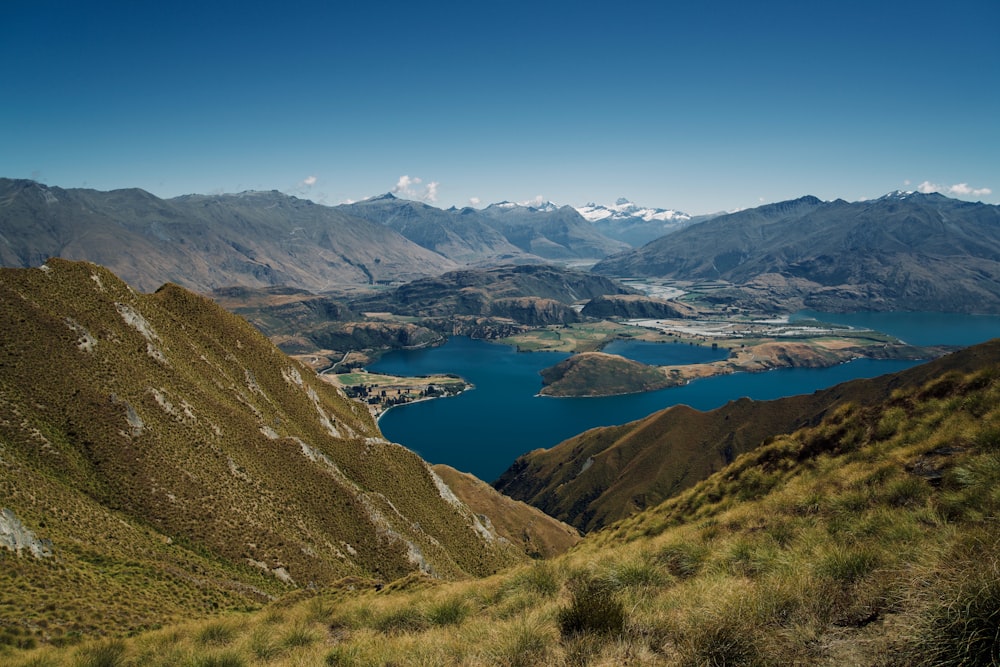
298, 491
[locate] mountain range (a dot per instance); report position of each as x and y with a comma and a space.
633, 224
904, 251
201, 242
266, 239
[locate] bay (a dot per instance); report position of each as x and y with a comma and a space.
485, 429
916, 328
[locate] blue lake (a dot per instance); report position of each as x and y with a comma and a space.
483, 430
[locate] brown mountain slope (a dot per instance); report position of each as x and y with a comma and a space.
606, 474
174, 461
256, 239
536, 532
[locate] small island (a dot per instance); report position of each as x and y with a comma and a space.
381, 392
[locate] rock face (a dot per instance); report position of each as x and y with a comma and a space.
635, 307
17, 538
905, 251
158, 438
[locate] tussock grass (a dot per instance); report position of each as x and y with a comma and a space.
870, 538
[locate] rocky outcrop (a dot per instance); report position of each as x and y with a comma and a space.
635, 307
16, 537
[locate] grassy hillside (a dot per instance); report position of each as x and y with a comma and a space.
606, 474
600, 374
869, 538
164, 460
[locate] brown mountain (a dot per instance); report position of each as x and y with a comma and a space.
607, 474
163, 456
904, 251
201, 242
527, 293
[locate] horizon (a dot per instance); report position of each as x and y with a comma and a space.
694, 109
532, 204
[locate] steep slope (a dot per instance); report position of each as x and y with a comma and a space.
551, 232
904, 251
174, 462
538, 534
868, 539
462, 236
530, 294
200, 242
606, 474
301, 322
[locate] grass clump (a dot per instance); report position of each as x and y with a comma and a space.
448, 612
594, 608
218, 633
683, 560
105, 654
403, 620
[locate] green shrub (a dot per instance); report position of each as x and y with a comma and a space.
594, 608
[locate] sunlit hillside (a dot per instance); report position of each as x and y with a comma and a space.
870, 538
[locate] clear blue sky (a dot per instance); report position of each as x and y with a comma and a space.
699, 106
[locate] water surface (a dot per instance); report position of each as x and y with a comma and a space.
483, 430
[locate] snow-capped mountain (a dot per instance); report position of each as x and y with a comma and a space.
631, 223
623, 209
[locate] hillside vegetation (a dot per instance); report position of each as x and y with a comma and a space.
160, 459
606, 474
869, 537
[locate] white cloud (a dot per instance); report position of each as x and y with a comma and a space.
408, 187
405, 186
309, 181
475, 201
537, 201
958, 189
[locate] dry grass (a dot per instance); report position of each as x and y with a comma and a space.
869, 539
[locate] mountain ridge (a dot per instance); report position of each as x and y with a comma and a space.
918, 252
174, 461
607, 474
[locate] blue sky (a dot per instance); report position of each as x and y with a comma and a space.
698, 106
